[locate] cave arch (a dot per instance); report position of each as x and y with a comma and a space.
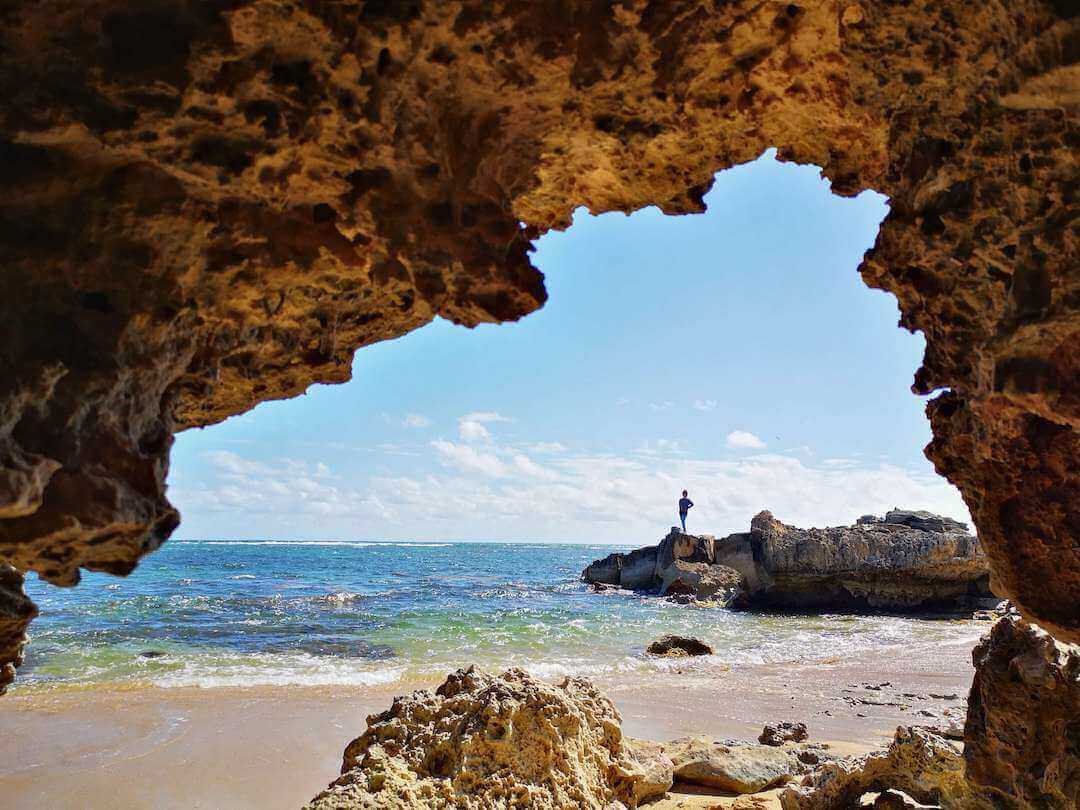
209, 205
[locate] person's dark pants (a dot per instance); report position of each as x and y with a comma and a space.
682, 517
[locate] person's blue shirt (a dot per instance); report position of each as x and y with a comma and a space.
684, 505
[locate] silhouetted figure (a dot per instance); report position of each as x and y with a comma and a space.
684, 507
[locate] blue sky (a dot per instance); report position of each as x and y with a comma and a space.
736, 353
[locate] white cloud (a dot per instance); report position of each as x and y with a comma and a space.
527, 466
666, 405
413, 421
472, 426
621, 499
473, 431
744, 440
705, 404
285, 486
469, 459
485, 416
497, 491
661, 447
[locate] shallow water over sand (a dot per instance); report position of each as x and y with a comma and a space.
321, 613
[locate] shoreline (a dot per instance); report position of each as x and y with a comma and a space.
276, 746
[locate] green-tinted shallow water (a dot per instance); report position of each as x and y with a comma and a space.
225, 613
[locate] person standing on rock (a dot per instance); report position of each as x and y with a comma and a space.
684, 507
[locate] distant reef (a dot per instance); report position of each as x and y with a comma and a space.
908, 561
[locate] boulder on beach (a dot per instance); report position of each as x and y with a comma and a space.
657, 772
907, 561
481, 741
735, 767
678, 647
780, 733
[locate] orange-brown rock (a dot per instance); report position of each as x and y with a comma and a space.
206, 204
1023, 724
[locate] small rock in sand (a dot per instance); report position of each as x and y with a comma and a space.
780, 733
678, 646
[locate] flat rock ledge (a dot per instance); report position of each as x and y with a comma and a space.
908, 561
740, 767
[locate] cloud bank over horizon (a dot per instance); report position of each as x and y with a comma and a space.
550, 492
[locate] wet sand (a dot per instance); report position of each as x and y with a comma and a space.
276, 747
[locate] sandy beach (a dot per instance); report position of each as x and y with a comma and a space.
276, 747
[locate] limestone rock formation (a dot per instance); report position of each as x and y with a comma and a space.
906, 561
1022, 736
882, 565
656, 770
16, 612
678, 647
737, 767
719, 584
919, 519
480, 741
211, 204
926, 767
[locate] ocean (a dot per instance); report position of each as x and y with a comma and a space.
320, 613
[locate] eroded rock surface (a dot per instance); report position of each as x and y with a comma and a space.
906, 561
780, 733
883, 565
657, 772
1022, 736
481, 741
16, 613
917, 762
207, 205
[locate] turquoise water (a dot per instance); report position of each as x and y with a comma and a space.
226, 613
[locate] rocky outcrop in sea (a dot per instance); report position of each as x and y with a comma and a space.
906, 561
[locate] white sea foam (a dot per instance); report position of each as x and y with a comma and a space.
277, 670
244, 576
340, 598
